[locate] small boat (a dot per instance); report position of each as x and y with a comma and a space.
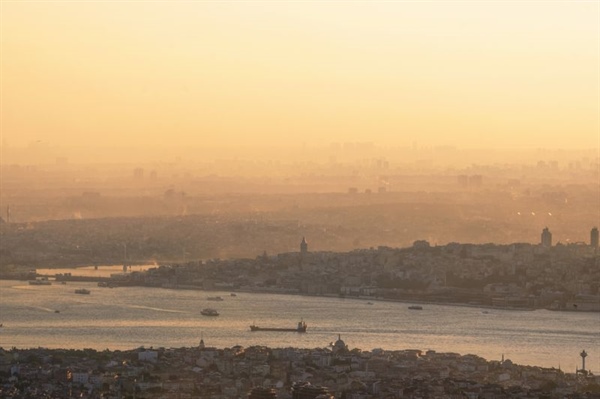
233, 294
214, 298
415, 307
485, 312
369, 303
301, 328
57, 311
209, 312
82, 291
63, 282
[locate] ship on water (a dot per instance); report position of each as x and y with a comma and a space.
301, 328
209, 312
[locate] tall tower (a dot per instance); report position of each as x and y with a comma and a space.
583, 355
546, 238
594, 237
303, 246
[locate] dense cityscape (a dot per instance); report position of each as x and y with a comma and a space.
333, 371
559, 277
226, 246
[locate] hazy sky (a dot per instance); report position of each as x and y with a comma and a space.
470, 74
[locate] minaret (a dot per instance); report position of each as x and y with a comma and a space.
124, 257
303, 246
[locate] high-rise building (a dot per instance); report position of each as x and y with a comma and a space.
594, 237
546, 238
138, 173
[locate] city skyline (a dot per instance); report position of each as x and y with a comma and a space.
418, 179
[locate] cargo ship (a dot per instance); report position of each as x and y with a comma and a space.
301, 328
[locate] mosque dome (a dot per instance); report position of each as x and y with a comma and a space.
339, 345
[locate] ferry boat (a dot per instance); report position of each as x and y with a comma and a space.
82, 291
209, 312
415, 307
301, 328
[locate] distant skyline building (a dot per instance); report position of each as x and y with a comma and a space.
466, 181
594, 237
138, 173
546, 238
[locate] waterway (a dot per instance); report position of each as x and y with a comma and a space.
94, 271
131, 317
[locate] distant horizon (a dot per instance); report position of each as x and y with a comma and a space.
211, 74
45, 153
331, 145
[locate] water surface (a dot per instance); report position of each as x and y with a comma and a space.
130, 317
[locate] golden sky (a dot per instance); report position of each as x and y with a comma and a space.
469, 74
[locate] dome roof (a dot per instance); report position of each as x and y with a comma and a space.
339, 344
